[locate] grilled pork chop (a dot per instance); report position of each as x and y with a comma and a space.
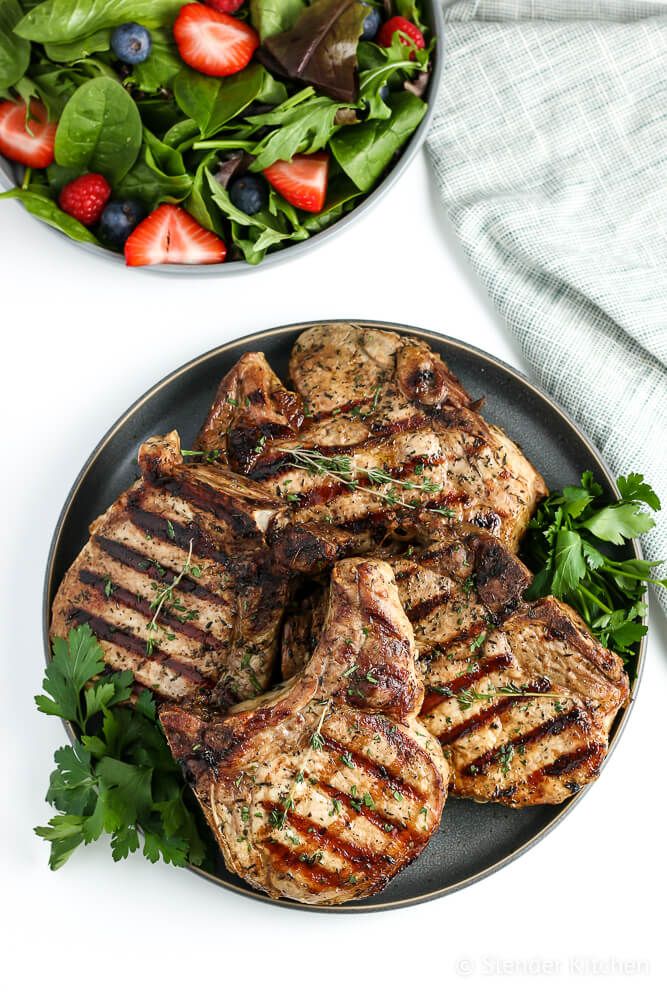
177, 581
322, 790
519, 694
387, 410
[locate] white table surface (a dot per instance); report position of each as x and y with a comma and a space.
582, 912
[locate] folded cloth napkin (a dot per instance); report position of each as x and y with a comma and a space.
549, 144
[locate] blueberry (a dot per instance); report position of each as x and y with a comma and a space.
371, 24
384, 92
249, 194
118, 220
131, 43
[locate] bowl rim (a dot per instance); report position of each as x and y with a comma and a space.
435, 16
401, 329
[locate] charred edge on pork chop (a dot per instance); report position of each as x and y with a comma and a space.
381, 401
324, 789
218, 628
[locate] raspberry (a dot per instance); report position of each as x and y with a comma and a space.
386, 32
225, 6
85, 198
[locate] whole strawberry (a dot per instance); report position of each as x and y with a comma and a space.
85, 198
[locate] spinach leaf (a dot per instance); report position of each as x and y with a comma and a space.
321, 48
306, 121
182, 134
14, 51
365, 151
45, 209
200, 204
66, 52
158, 71
159, 175
211, 102
100, 130
67, 20
341, 196
270, 17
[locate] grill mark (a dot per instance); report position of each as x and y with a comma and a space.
329, 841
568, 762
551, 727
393, 781
205, 497
422, 609
143, 564
289, 861
143, 607
374, 816
118, 637
321, 415
498, 709
435, 696
156, 525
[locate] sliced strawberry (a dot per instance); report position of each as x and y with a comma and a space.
302, 181
170, 236
31, 142
213, 43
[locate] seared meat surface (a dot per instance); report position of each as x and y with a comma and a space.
387, 409
201, 530
519, 694
324, 789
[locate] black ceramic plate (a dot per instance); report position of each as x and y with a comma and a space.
474, 840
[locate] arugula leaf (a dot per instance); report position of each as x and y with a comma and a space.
99, 130
321, 47
561, 545
306, 123
14, 51
119, 777
365, 151
67, 20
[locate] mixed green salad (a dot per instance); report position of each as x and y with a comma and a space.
191, 133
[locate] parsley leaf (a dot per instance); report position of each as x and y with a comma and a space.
119, 776
562, 547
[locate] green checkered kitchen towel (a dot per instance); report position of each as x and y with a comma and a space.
549, 144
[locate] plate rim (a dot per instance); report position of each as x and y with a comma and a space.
401, 329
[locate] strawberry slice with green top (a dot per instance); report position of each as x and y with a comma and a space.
27, 138
212, 43
169, 235
302, 181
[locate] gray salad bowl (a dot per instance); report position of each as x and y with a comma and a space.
11, 175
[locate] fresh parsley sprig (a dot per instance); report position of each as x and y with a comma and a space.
118, 777
562, 545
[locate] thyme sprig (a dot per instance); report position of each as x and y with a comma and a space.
166, 593
339, 468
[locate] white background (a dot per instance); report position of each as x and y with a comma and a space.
81, 340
